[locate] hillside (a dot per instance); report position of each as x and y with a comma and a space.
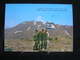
20, 37
26, 30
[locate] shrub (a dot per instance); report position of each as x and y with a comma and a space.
56, 38
50, 38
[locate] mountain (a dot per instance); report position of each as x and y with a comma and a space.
26, 30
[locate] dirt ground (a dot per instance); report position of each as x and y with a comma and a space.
60, 45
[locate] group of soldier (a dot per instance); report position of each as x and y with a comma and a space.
40, 39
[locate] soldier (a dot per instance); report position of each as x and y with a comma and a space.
35, 47
45, 39
46, 36
42, 38
39, 37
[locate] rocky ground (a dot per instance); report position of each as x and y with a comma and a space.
62, 44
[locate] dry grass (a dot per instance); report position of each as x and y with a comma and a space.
62, 44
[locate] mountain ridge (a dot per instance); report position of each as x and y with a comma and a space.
25, 30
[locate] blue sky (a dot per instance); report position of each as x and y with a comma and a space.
56, 13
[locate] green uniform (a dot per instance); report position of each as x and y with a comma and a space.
36, 42
44, 41
40, 40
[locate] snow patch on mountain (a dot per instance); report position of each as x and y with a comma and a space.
17, 32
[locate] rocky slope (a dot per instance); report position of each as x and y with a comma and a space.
26, 30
